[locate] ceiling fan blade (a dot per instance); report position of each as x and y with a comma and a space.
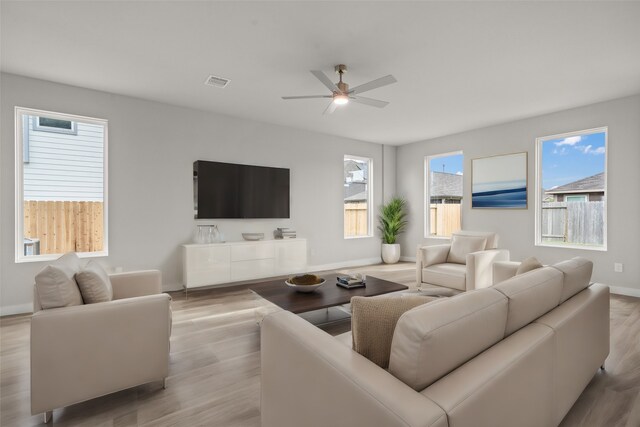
373, 84
307, 97
325, 80
330, 108
369, 101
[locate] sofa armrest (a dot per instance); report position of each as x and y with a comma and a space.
480, 267
504, 270
136, 283
86, 351
311, 379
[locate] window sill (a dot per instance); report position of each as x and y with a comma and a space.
585, 248
357, 237
438, 237
52, 257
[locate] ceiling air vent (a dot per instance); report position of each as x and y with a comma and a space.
217, 81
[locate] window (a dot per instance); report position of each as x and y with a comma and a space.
48, 124
61, 185
571, 190
443, 195
358, 215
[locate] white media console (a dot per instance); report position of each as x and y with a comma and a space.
218, 263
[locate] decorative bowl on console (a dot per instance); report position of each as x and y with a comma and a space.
253, 236
305, 282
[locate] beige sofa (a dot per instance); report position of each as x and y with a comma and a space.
517, 354
464, 271
85, 351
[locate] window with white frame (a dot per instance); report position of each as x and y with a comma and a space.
571, 190
61, 185
443, 175
358, 214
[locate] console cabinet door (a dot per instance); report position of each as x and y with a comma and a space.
206, 265
291, 256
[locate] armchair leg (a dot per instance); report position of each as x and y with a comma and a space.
164, 383
47, 416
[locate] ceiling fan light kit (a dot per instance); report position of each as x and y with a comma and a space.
340, 92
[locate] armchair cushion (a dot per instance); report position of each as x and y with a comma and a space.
462, 245
374, 320
56, 286
94, 284
448, 274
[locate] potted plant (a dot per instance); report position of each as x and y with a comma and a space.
392, 223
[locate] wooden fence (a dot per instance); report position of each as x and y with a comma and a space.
573, 222
65, 226
355, 219
444, 218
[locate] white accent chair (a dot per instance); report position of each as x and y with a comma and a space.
85, 351
464, 264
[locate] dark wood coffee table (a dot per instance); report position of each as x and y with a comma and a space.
328, 295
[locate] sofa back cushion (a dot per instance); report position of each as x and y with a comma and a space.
530, 296
55, 284
577, 275
432, 340
462, 245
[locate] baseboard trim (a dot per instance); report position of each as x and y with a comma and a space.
16, 309
345, 264
408, 258
621, 290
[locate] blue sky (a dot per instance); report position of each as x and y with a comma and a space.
572, 158
452, 164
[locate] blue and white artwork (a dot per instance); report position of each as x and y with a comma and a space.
499, 182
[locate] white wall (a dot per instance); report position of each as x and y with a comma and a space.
152, 147
516, 228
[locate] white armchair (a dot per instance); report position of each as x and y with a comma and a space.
84, 351
464, 264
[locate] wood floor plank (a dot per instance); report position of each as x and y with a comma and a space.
215, 367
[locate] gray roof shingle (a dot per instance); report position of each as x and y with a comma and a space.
585, 185
445, 185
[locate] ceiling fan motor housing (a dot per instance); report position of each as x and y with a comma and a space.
344, 88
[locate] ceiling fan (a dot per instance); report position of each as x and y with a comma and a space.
341, 94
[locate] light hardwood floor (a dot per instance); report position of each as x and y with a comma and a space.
215, 368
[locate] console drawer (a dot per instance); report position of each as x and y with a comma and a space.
252, 252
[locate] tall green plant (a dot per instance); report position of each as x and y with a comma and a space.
392, 219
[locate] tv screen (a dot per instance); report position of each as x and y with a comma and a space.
227, 190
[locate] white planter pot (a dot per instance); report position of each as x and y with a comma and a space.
390, 253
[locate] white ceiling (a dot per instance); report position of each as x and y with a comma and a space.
459, 65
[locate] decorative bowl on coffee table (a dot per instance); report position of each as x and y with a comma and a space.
305, 282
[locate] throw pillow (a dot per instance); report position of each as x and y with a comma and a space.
94, 284
528, 264
463, 245
56, 287
373, 321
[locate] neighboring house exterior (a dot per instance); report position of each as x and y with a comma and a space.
63, 160
589, 189
355, 182
446, 188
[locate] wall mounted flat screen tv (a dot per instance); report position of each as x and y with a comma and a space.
228, 190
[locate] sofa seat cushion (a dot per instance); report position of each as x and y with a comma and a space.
448, 274
434, 339
577, 275
55, 284
462, 245
373, 321
530, 295
94, 284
